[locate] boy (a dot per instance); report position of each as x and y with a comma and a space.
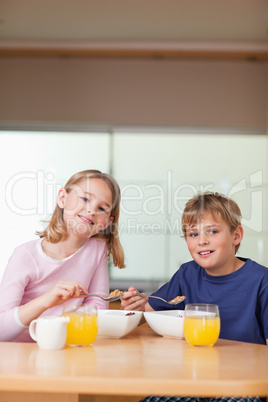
211, 225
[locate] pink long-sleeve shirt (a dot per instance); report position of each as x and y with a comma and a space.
30, 273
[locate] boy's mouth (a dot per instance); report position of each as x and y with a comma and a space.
87, 220
205, 253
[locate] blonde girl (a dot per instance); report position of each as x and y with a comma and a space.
48, 275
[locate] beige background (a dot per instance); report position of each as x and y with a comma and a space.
134, 92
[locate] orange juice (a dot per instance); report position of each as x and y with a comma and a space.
201, 330
82, 328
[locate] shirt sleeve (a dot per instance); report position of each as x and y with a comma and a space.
263, 305
14, 281
99, 283
168, 291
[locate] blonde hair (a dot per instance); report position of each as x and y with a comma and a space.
215, 204
57, 230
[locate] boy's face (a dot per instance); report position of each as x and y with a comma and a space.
212, 245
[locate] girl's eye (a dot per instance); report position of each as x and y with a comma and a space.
102, 209
85, 199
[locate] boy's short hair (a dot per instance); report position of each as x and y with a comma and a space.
215, 204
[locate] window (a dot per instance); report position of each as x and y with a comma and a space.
34, 165
157, 173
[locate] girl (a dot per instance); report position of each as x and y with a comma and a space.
68, 259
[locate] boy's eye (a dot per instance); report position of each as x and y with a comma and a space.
213, 231
193, 234
85, 199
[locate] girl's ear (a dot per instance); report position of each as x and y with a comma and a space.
110, 220
238, 235
61, 198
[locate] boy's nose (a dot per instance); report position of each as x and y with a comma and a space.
203, 239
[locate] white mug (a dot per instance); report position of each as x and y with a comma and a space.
49, 332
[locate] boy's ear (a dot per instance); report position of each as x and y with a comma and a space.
238, 235
61, 197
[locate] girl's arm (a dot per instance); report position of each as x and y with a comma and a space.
99, 283
58, 294
16, 313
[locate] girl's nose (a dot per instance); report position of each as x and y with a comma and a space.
91, 209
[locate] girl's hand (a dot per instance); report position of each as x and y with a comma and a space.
62, 292
132, 302
58, 294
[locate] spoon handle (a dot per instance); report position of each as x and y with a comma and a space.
160, 298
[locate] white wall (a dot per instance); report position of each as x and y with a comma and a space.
159, 173
134, 92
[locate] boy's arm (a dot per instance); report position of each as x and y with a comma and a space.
266, 341
130, 301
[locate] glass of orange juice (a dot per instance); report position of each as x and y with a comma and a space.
201, 324
82, 328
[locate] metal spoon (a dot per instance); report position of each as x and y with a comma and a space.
160, 298
108, 299
115, 298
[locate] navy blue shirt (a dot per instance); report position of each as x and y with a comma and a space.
242, 297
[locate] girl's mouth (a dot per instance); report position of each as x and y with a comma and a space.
87, 220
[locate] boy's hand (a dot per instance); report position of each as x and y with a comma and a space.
129, 301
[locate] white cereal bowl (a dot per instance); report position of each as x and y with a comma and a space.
116, 323
167, 323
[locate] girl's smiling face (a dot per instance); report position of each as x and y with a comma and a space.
212, 245
87, 207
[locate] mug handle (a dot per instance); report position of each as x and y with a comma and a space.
32, 329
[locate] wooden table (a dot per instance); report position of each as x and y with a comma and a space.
125, 369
